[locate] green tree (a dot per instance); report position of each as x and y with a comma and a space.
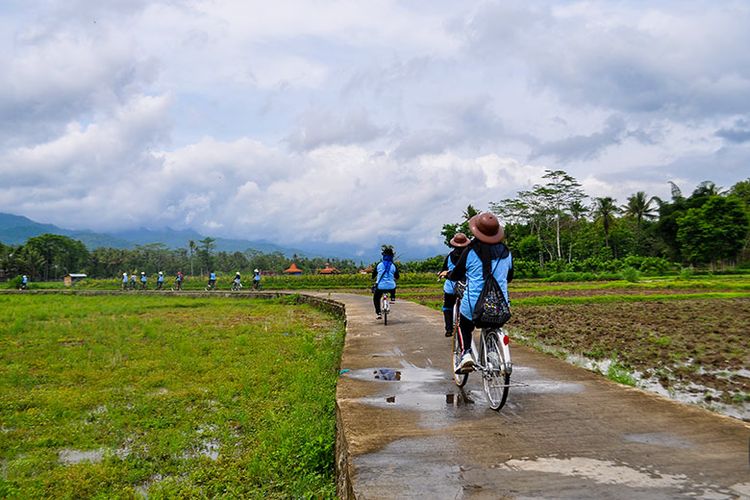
450, 230
61, 254
205, 254
714, 231
605, 210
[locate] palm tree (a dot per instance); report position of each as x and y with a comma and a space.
639, 206
605, 210
192, 247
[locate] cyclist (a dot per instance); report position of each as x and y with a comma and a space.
160, 280
484, 255
211, 280
385, 275
24, 282
132, 281
178, 280
256, 279
237, 281
124, 281
144, 280
459, 242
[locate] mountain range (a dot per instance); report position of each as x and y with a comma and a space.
16, 229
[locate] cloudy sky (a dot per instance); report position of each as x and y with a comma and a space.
358, 122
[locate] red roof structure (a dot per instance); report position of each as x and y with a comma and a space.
329, 270
293, 269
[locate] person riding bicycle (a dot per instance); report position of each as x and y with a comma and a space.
385, 275
124, 281
24, 282
160, 280
237, 281
144, 280
458, 243
132, 281
484, 255
178, 280
256, 279
211, 280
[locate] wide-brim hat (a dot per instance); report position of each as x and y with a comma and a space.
460, 240
487, 228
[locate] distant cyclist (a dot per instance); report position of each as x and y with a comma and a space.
485, 254
385, 276
211, 280
459, 243
178, 280
237, 281
256, 279
124, 281
144, 280
160, 281
24, 282
132, 281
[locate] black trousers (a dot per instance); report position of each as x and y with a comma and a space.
449, 300
467, 328
379, 293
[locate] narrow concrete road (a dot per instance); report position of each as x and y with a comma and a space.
565, 432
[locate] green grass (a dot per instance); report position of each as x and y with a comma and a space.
620, 374
155, 386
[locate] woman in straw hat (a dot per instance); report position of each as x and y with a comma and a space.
458, 243
484, 255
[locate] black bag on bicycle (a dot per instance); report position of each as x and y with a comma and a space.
491, 309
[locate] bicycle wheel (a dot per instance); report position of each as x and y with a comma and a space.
459, 378
385, 306
495, 376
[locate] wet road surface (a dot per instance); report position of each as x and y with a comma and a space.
406, 430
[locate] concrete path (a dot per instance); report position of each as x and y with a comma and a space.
565, 432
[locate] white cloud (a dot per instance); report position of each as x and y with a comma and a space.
358, 121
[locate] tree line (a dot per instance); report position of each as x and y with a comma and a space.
552, 227
51, 256
556, 225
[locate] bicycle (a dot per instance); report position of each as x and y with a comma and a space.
236, 286
385, 307
211, 285
494, 361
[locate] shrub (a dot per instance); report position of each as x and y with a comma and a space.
630, 274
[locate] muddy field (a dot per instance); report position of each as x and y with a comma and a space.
705, 342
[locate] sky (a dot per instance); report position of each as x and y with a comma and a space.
358, 122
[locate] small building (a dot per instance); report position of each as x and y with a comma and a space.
293, 269
329, 269
71, 278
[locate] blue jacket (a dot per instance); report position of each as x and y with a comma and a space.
448, 265
386, 280
470, 267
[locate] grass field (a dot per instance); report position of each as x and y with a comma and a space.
135, 395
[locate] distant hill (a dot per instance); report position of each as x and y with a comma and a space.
16, 229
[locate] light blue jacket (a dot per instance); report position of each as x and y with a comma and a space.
386, 280
449, 286
475, 280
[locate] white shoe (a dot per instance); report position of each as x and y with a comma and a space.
380, 316
466, 364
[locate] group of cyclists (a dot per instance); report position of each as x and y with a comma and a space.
470, 261
134, 282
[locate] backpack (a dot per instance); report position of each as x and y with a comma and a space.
492, 309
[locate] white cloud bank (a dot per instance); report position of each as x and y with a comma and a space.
358, 122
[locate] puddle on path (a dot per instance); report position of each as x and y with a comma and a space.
599, 471
658, 439
607, 472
